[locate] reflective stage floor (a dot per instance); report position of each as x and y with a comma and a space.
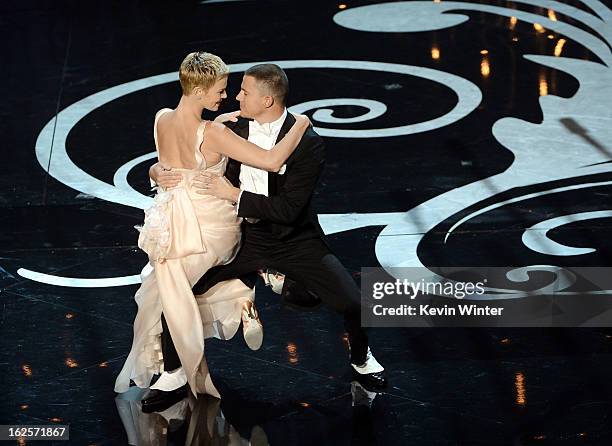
463, 133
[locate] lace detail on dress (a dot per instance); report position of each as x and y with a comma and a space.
153, 359
155, 235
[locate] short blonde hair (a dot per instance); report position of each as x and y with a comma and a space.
201, 69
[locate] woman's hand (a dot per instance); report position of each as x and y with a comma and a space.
233, 117
303, 121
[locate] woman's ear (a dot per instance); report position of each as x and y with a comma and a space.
198, 92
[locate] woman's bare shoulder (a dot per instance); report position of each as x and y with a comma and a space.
215, 129
163, 118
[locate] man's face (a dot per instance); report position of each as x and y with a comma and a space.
252, 102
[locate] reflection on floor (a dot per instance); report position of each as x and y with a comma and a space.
201, 421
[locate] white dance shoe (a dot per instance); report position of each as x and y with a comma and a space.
370, 374
252, 328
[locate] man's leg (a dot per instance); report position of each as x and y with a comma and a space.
171, 385
211, 278
293, 294
316, 269
320, 272
240, 267
171, 358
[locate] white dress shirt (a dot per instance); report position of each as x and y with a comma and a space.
253, 179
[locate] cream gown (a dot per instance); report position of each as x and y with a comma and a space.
185, 234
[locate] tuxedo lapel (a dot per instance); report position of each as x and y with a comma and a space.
232, 171
273, 176
242, 129
289, 121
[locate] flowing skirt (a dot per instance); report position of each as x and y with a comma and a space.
184, 238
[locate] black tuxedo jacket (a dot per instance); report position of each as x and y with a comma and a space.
287, 210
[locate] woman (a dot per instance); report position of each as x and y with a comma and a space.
186, 233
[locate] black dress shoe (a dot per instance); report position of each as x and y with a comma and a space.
297, 298
158, 400
371, 381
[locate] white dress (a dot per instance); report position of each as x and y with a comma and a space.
185, 234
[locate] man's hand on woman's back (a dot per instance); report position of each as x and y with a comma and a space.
164, 177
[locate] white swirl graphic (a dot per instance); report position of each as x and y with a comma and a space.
536, 237
53, 136
569, 143
418, 16
52, 155
375, 109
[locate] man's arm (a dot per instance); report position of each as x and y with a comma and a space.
295, 194
166, 178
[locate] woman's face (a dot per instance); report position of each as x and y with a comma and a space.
215, 95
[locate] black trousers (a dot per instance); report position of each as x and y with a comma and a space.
309, 263
171, 359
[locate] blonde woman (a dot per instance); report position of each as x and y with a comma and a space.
186, 233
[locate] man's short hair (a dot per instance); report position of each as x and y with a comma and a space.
271, 80
201, 69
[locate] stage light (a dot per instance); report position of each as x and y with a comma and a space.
519, 385
435, 53
292, 350
27, 370
559, 47
539, 28
543, 84
485, 68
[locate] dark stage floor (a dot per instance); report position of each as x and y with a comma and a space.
463, 134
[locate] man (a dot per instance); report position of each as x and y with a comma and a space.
280, 229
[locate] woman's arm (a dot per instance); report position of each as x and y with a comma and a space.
222, 140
